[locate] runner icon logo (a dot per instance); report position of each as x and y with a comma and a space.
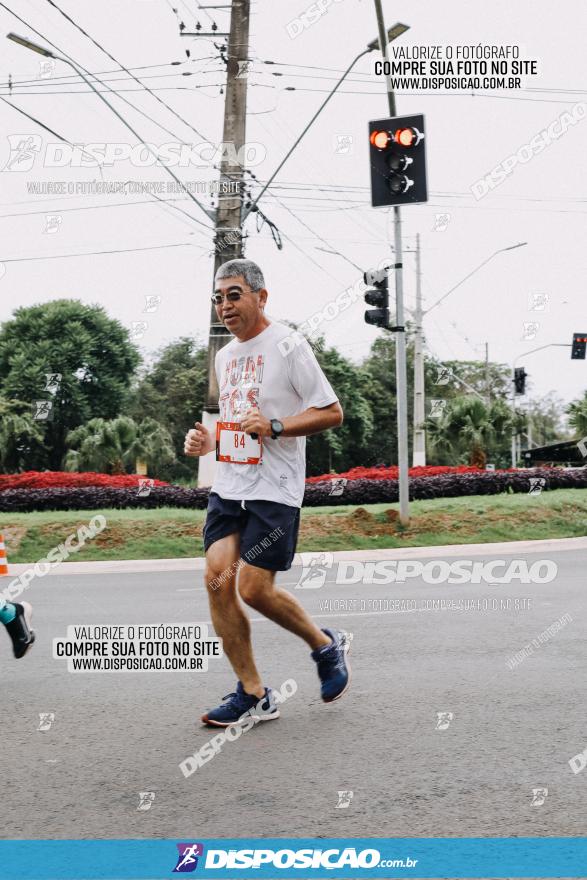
315, 566
187, 860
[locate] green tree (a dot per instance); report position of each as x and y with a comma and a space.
173, 391
21, 438
341, 448
90, 352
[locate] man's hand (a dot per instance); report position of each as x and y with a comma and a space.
198, 441
254, 422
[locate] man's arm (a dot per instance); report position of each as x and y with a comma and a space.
312, 421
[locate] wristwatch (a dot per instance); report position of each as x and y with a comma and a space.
276, 429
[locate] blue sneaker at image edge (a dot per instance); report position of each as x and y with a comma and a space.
239, 704
334, 670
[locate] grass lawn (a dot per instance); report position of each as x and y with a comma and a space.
168, 533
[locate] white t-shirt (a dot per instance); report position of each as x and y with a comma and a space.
280, 381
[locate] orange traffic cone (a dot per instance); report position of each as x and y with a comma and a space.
3, 559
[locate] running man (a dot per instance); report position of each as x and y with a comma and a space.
271, 397
17, 619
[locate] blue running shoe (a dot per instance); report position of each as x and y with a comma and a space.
334, 670
240, 704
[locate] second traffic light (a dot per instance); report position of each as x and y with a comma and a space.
520, 380
397, 156
379, 297
579, 346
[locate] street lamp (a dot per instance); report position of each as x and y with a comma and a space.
34, 47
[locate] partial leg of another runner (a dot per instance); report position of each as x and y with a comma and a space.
16, 619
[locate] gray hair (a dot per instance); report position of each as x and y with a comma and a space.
247, 268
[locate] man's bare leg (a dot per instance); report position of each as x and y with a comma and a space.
257, 588
228, 616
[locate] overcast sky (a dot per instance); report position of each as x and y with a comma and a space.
321, 197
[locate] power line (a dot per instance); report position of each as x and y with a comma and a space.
116, 61
153, 247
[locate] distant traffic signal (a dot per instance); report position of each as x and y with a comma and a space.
579, 346
378, 297
397, 156
520, 380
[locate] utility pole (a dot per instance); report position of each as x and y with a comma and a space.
419, 453
228, 243
400, 346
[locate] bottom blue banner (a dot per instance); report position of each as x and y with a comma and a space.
285, 857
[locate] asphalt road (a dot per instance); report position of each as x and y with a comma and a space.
115, 735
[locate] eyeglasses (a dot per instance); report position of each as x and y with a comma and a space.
231, 296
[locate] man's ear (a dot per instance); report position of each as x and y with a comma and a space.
263, 294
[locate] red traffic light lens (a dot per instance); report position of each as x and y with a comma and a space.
380, 139
406, 137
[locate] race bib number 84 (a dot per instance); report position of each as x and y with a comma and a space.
235, 446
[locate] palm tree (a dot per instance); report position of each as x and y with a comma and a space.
100, 445
577, 412
467, 428
152, 448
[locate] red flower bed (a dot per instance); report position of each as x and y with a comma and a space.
66, 480
391, 473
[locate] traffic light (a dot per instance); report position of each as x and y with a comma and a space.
397, 156
579, 346
520, 380
378, 297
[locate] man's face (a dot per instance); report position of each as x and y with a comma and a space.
242, 315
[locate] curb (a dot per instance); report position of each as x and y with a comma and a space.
197, 563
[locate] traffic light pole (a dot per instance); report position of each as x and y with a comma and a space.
400, 347
419, 455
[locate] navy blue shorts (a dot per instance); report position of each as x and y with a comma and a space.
268, 530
